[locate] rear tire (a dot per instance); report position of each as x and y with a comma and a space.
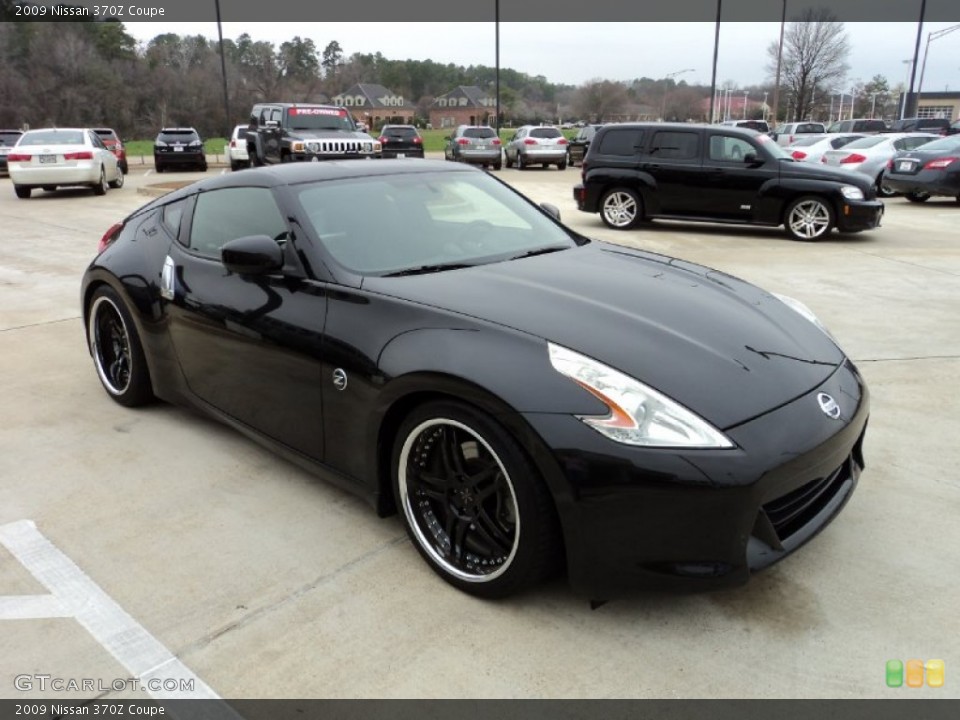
882, 190
101, 187
22, 192
118, 183
508, 160
917, 197
498, 166
521, 165
115, 346
562, 165
473, 504
621, 209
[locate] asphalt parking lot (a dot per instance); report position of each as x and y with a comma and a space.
262, 581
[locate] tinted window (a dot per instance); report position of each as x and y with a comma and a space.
172, 214
545, 132
840, 142
668, 145
624, 141
9, 138
400, 132
866, 142
180, 136
224, 215
107, 134
809, 140
869, 125
52, 137
810, 128
480, 132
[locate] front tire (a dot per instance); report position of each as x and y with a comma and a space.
116, 349
621, 209
474, 506
917, 197
809, 218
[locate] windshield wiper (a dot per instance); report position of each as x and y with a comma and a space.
425, 269
540, 251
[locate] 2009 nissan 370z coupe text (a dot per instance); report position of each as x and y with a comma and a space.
529, 400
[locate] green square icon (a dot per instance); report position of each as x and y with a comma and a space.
894, 673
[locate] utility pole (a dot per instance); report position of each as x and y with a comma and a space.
776, 86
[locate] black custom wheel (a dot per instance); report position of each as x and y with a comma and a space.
808, 218
101, 186
473, 504
917, 197
621, 209
116, 350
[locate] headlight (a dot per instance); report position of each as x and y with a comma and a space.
803, 310
851, 193
297, 147
160, 143
639, 415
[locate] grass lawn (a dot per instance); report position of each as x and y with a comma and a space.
213, 146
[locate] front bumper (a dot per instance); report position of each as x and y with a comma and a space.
179, 158
931, 182
859, 214
320, 157
659, 519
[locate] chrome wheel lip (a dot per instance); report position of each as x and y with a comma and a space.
95, 350
619, 209
405, 500
809, 219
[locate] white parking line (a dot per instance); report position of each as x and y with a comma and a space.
73, 594
147, 173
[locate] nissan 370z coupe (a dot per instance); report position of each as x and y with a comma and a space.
527, 399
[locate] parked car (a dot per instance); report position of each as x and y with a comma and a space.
8, 138
525, 399
939, 126
178, 147
536, 145
577, 148
400, 141
954, 128
52, 158
867, 126
758, 125
282, 132
810, 148
476, 144
789, 133
114, 145
869, 155
636, 172
236, 149
932, 169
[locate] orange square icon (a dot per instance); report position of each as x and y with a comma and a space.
935, 673
914, 673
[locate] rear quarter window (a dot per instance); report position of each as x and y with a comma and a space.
621, 142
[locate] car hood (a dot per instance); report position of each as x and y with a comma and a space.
718, 345
812, 171
325, 134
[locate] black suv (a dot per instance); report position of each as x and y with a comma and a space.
868, 126
577, 148
178, 147
716, 173
297, 132
400, 141
934, 125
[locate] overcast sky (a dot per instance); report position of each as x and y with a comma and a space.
576, 52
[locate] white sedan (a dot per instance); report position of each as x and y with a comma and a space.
60, 157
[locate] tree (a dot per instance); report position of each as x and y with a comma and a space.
815, 51
332, 59
874, 98
597, 100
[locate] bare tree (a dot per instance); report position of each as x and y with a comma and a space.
815, 51
598, 99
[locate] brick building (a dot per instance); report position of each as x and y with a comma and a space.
375, 105
464, 105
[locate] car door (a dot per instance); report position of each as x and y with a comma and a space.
250, 346
270, 121
735, 170
673, 159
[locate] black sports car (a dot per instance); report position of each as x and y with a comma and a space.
526, 398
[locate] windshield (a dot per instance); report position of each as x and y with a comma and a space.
546, 132
399, 131
425, 220
9, 139
178, 136
770, 145
808, 140
52, 137
319, 118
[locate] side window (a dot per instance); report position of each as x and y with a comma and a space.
667, 145
224, 215
914, 142
275, 114
621, 142
172, 214
729, 149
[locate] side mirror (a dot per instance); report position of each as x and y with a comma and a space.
252, 255
551, 210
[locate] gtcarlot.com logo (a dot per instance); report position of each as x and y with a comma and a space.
45, 683
912, 674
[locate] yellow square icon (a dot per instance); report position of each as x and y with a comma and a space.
935, 673
914, 673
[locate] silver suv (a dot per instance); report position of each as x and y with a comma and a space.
534, 144
477, 144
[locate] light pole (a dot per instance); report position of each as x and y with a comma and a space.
745, 93
666, 89
923, 67
765, 106
873, 107
903, 104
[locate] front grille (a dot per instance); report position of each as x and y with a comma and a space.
790, 512
335, 147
